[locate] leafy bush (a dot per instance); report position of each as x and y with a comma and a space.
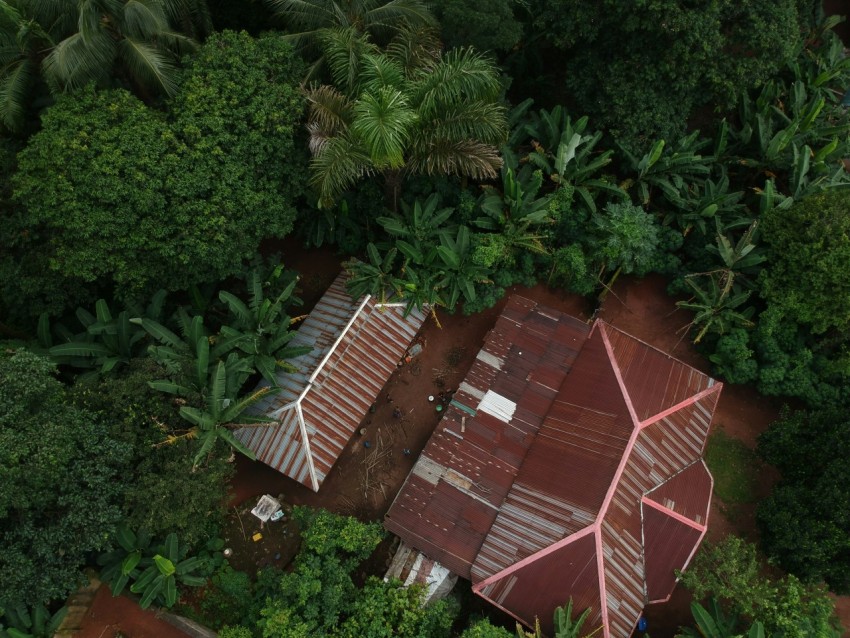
61, 483
805, 522
732, 572
115, 193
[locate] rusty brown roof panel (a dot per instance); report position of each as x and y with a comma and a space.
481, 463
355, 346
668, 545
624, 572
654, 380
568, 572
687, 493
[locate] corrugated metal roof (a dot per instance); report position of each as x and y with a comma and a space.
668, 545
356, 345
474, 459
625, 420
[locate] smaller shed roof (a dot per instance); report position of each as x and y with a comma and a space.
356, 345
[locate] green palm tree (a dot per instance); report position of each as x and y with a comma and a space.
381, 19
406, 109
68, 45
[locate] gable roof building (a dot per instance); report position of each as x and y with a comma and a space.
568, 465
356, 345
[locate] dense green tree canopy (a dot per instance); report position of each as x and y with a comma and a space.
806, 278
465, 23
60, 483
164, 492
732, 572
71, 44
640, 68
115, 193
805, 522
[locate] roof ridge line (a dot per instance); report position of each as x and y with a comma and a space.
672, 514
507, 571
714, 387
336, 343
600, 574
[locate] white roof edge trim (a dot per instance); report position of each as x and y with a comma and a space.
335, 344
308, 454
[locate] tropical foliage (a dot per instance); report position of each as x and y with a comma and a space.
731, 572
153, 570
61, 483
66, 47
804, 522
405, 109
117, 195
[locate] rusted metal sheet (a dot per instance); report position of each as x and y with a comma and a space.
668, 544
687, 493
654, 380
585, 454
356, 345
488, 452
567, 572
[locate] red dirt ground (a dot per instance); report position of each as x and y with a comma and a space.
109, 617
642, 308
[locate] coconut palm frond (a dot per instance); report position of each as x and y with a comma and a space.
341, 162
389, 17
74, 62
330, 110
482, 121
143, 19
378, 72
149, 65
461, 75
191, 17
383, 122
14, 90
416, 49
176, 42
471, 158
344, 50
305, 15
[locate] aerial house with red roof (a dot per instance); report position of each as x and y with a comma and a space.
569, 465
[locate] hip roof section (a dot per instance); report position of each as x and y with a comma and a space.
547, 481
356, 345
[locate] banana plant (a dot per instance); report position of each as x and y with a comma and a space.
716, 624
158, 581
107, 342
460, 271
121, 565
564, 625
514, 212
188, 360
261, 328
421, 224
668, 170
740, 257
694, 207
222, 413
376, 277
35, 622
718, 305
568, 156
